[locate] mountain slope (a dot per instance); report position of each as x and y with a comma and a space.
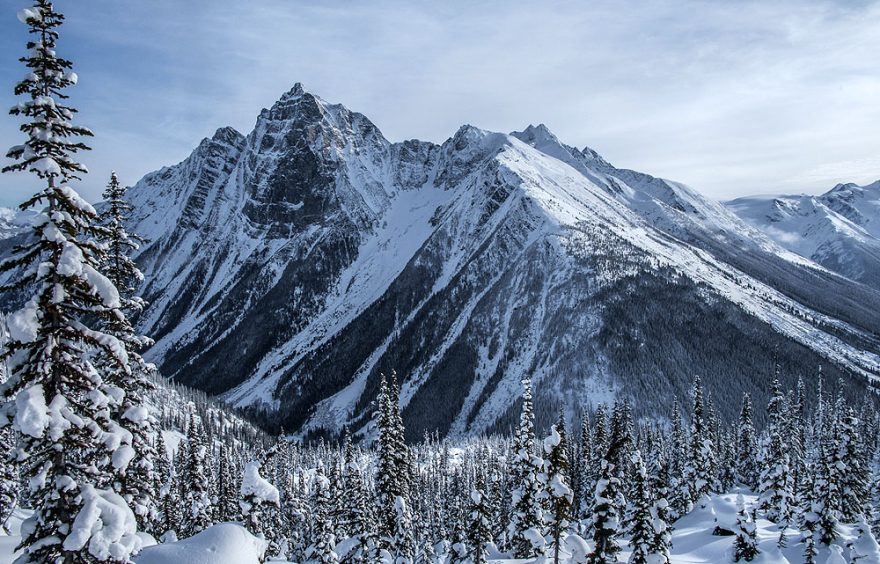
290, 267
839, 229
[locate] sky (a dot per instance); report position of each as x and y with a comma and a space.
731, 97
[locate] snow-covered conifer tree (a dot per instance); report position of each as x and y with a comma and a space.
198, 507
323, 541
605, 516
864, 547
227, 493
58, 400
135, 481
392, 478
479, 531
526, 520
639, 516
701, 456
775, 481
746, 460
559, 493
854, 490
8, 472
584, 483
745, 546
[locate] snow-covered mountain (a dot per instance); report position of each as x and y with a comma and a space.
839, 229
290, 267
13, 222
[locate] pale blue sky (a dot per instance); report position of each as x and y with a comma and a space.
730, 97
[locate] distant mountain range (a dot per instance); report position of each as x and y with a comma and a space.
288, 268
839, 229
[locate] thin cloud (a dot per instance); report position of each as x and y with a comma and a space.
730, 97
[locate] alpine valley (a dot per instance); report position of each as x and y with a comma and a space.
288, 268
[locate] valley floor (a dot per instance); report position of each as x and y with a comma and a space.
693, 542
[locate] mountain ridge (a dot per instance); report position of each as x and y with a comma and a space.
287, 268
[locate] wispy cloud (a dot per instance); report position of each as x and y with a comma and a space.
730, 97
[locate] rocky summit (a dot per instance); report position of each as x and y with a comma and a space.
288, 268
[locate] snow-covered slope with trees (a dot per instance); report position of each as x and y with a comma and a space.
839, 229
287, 268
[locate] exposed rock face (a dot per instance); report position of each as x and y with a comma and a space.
289, 268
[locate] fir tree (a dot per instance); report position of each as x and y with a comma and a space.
746, 471
605, 517
774, 489
854, 490
640, 518
199, 510
746, 544
392, 479
358, 519
135, 481
323, 541
57, 398
584, 483
559, 494
527, 515
8, 474
227, 494
479, 531
658, 480
701, 456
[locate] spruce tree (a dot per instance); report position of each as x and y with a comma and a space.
584, 484
775, 481
392, 478
559, 493
198, 507
323, 541
479, 531
359, 518
227, 494
639, 516
746, 471
527, 519
135, 481
58, 399
8, 472
605, 516
854, 489
701, 456
679, 495
658, 481
746, 544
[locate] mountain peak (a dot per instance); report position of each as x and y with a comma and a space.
296, 92
536, 135
227, 134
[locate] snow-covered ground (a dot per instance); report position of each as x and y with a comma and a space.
693, 540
